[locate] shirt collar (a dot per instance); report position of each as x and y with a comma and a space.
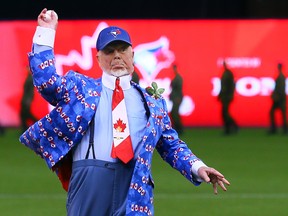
109, 81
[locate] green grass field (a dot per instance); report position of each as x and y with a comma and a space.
254, 162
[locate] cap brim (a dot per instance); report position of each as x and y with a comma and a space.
109, 42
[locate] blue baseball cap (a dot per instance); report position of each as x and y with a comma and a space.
110, 34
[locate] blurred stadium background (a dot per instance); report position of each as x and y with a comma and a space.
115, 9
255, 163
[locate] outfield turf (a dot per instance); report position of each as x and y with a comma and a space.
254, 162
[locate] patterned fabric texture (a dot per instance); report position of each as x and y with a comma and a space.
75, 97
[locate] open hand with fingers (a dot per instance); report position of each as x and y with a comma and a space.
211, 175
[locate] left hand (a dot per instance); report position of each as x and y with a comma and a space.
211, 175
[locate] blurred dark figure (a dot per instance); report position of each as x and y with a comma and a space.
2, 130
226, 96
176, 96
135, 77
26, 116
278, 101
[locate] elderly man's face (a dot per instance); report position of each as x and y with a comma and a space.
116, 59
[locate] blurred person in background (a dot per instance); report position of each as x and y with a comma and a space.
2, 129
226, 97
278, 97
176, 96
76, 138
26, 116
135, 77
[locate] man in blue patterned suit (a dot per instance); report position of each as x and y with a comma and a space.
75, 138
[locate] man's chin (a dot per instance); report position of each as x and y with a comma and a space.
119, 73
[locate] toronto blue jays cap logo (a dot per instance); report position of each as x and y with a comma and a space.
115, 32
110, 34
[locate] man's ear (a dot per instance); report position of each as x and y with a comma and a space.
97, 57
98, 60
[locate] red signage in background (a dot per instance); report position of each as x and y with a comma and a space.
251, 48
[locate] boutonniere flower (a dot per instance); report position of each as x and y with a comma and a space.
154, 91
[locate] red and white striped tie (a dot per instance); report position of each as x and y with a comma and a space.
122, 144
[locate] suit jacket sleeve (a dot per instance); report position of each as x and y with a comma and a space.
175, 151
